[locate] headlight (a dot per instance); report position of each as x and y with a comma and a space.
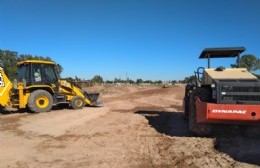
213, 85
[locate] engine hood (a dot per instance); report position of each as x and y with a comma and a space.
228, 73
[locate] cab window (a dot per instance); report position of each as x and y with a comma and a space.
50, 75
24, 73
36, 73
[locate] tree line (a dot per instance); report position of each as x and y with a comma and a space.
10, 58
137, 81
99, 79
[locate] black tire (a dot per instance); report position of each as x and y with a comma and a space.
188, 90
40, 101
250, 131
77, 102
186, 107
198, 128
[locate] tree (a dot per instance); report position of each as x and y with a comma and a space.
158, 82
148, 81
190, 79
97, 79
131, 81
250, 62
139, 81
77, 79
9, 61
173, 82
109, 82
23, 57
118, 80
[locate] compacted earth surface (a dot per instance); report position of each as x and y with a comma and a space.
138, 126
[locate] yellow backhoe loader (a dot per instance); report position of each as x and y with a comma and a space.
39, 88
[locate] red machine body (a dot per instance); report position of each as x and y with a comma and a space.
226, 113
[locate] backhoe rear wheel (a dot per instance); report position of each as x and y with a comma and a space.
77, 102
40, 101
198, 129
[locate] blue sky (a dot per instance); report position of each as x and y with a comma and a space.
148, 39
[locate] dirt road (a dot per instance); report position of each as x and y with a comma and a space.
137, 127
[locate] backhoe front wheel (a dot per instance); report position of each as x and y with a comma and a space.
77, 102
40, 101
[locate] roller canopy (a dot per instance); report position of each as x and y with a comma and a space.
221, 52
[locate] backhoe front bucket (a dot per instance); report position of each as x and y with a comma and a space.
94, 98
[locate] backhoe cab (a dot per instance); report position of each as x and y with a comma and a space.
222, 95
39, 88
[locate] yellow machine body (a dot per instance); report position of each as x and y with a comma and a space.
71, 90
39, 88
5, 88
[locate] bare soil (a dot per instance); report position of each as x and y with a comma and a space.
139, 126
